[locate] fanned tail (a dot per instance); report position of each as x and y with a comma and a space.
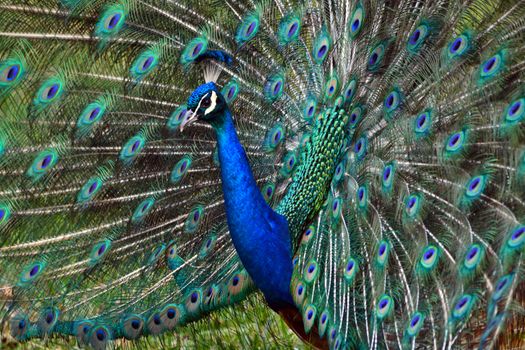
112, 222
420, 241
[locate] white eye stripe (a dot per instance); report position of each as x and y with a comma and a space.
213, 103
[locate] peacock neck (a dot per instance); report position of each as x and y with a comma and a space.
260, 236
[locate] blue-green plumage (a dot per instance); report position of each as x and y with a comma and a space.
359, 163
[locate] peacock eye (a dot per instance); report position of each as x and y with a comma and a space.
206, 102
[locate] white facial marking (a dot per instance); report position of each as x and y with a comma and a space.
213, 103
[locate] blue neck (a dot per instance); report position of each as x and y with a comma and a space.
260, 235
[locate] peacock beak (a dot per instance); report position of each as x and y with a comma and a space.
189, 118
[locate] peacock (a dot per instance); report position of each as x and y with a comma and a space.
360, 163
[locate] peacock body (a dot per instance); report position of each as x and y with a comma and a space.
361, 163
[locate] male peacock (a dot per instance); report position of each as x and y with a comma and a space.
362, 163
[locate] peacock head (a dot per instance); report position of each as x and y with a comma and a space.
206, 103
